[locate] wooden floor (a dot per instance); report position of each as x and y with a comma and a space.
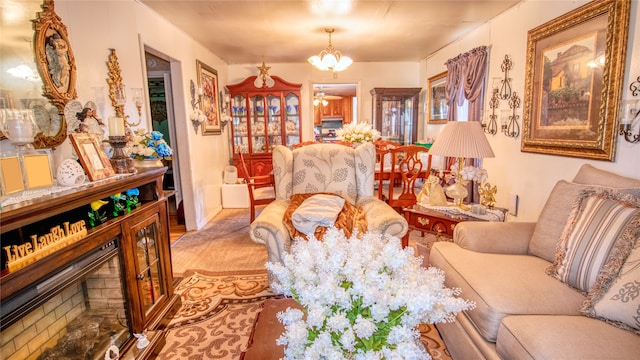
175, 230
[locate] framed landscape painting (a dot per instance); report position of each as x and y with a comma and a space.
574, 75
437, 99
209, 104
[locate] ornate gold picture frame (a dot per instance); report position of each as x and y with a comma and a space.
209, 105
57, 67
92, 156
574, 75
437, 99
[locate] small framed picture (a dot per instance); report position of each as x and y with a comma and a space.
11, 174
437, 101
37, 169
92, 156
210, 104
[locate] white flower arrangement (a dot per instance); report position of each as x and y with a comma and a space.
142, 145
471, 173
198, 116
363, 297
357, 133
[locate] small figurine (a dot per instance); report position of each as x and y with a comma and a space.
487, 195
143, 342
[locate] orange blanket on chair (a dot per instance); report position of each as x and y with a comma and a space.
350, 217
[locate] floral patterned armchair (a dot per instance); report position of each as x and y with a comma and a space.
329, 168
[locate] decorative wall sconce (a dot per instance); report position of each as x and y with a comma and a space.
501, 90
629, 113
512, 129
117, 90
197, 117
490, 125
505, 84
225, 99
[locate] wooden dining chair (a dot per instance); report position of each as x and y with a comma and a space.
383, 163
407, 165
261, 188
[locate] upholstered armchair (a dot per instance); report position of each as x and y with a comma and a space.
327, 168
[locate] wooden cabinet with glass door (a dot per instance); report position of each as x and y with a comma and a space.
395, 113
263, 117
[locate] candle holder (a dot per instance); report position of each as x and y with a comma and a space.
119, 160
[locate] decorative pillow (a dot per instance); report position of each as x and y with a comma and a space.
317, 210
615, 297
554, 216
328, 168
349, 219
598, 219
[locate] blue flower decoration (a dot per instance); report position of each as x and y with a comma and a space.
156, 135
164, 150
133, 192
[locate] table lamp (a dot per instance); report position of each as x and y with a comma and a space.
461, 139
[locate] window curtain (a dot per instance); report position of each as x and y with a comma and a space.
465, 81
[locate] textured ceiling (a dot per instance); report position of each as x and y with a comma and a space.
242, 32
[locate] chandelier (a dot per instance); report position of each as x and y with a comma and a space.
330, 59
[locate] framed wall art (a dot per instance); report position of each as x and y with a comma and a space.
437, 99
574, 76
92, 156
209, 103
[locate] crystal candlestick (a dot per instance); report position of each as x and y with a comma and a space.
119, 160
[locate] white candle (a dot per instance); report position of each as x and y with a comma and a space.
626, 114
116, 126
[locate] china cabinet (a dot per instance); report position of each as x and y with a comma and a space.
395, 113
106, 280
263, 117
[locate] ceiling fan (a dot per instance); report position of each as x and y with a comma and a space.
321, 98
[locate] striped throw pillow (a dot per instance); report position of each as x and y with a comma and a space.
598, 219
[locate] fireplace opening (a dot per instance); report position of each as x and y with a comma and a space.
76, 313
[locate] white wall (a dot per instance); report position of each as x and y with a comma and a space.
532, 176
127, 26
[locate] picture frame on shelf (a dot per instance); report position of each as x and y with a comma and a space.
38, 169
210, 103
92, 156
574, 75
11, 180
437, 108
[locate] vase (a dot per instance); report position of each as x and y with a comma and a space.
147, 163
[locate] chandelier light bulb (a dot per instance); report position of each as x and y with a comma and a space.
330, 59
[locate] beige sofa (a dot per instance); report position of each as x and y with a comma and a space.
521, 312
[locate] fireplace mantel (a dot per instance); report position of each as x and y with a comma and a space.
147, 220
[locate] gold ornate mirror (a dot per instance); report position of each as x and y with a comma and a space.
57, 68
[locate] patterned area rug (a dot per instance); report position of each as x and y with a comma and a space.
219, 311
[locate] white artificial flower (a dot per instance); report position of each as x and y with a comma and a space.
350, 288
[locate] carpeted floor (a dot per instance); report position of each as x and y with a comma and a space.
218, 314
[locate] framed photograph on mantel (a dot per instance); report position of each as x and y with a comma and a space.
574, 76
209, 104
92, 156
437, 101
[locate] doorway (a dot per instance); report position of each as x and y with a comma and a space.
163, 120
334, 105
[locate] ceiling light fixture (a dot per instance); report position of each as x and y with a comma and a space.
25, 72
330, 59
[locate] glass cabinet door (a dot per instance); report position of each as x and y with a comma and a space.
240, 129
258, 124
149, 274
292, 123
274, 125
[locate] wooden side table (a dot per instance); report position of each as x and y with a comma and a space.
435, 222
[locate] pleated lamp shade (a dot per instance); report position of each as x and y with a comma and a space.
462, 139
